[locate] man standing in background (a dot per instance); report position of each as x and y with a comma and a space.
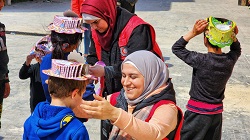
4, 60
127, 4
1, 4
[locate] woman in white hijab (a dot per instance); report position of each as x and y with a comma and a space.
145, 108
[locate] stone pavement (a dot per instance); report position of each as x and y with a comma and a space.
170, 18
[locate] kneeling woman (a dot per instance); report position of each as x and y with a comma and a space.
145, 108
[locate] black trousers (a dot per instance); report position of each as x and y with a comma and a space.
201, 126
106, 128
2, 88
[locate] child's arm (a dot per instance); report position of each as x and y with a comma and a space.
29, 58
235, 48
24, 71
192, 58
199, 27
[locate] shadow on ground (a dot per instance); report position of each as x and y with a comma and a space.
156, 5
59, 5
38, 6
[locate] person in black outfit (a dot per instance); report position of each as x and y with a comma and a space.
127, 4
211, 71
32, 71
4, 60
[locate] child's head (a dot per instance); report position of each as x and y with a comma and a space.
219, 32
67, 81
66, 77
66, 35
64, 43
60, 88
207, 43
42, 48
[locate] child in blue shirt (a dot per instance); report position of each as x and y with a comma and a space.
56, 120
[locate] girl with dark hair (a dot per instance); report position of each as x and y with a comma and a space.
64, 40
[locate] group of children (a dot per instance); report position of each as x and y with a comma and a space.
66, 80
57, 85
62, 82
66, 84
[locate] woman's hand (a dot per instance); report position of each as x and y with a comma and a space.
100, 109
80, 113
97, 70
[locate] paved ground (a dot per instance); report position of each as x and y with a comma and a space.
171, 19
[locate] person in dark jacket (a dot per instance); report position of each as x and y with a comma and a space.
109, 24
127, 4
211, 71
32, 71
4, 60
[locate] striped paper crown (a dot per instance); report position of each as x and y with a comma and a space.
68, 70
67, 25
42, 47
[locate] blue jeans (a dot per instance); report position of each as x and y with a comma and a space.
86, 38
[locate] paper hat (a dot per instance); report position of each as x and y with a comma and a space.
220, 31
43, 47
68, 70
67, 25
